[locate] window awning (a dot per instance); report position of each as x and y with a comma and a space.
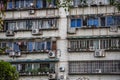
34, 61
28, 38
93, 37
34, 18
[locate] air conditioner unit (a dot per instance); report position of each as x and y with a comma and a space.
101, 3
71, 30
99, 53
93, 3
9, 33
62, 69
17, 54
51, 54
12, 53
113, 28
31, 11
36, 31
98, 71
52, 76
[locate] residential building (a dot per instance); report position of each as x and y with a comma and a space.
45, 42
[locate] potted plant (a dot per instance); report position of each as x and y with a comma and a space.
46, 70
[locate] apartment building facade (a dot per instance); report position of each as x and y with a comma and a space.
48, 43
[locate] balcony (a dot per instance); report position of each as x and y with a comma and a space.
28, 14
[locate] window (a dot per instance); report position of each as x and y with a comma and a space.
30, 46
76, 23
51, 4
23, 3
94, 67
31, 24
102, 21
10, 25
92, 44
37, 46
3, 44
39, 4
117, 20
21, 25
76, 2
93, 22
110, 20
16, 47
9, 4
39, 67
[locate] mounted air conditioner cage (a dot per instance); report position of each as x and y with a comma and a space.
99, 53
98, 71
31, 11
51, 54
36, 31
18, 54
52, 76
9, 33
113, 28
12, 53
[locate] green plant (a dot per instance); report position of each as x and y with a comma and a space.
46, 69
34, 71
7, 71
115, 3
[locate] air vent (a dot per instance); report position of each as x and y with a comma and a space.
9, 33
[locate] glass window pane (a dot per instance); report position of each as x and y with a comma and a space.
39, 4
43, 46
110, 20
9, 5
48, 45
30, 46
90, 22
102, 21
96, 23
16, 47
17, 4
78, 22
73, 23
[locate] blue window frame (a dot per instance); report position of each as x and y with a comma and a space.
93, 22
43, 45
48, 46
30, 46
110, 20
16, 47
76, 23
39, 4
9, 5
102, 21
117, 20
39, 45
17, 4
